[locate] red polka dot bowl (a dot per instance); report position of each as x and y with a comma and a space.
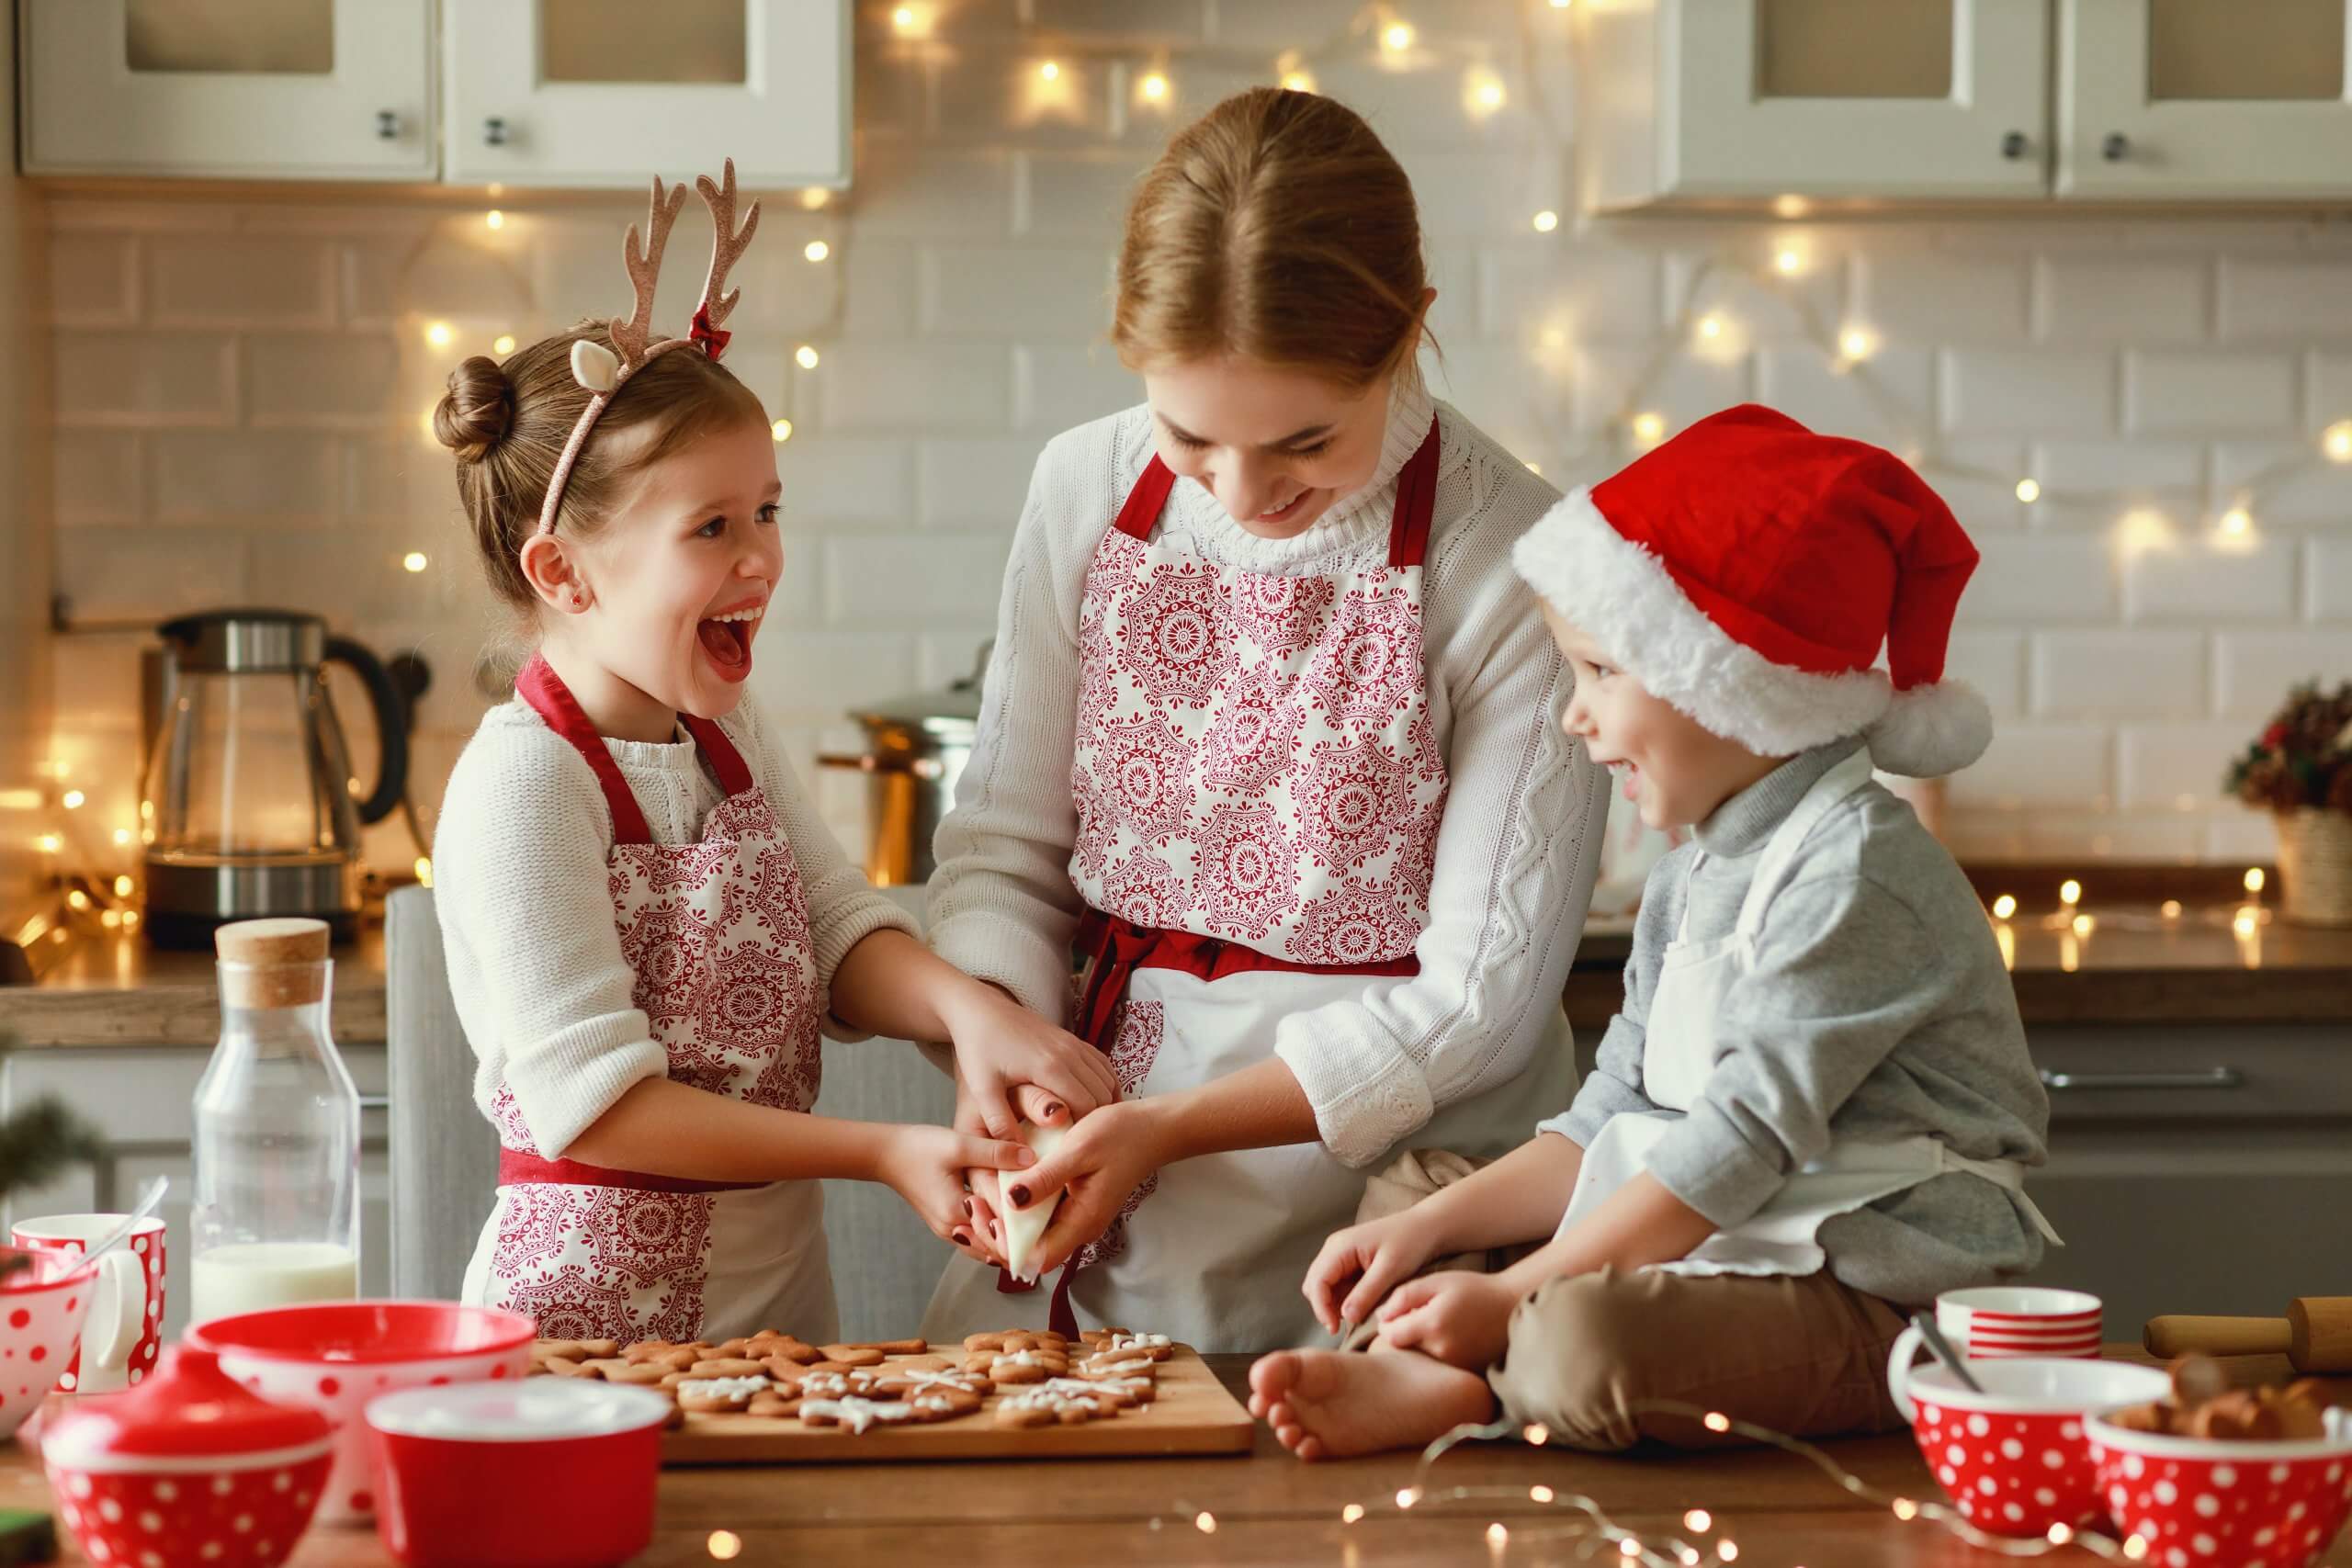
2015, 1460
189, 1469
42, 1309
336, 1356
2200, 1503
453, 1461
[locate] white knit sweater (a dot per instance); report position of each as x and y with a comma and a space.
1522, 836
533, 950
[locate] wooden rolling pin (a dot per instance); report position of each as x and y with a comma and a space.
2316, 1335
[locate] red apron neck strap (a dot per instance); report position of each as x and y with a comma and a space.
726, 762
1144, 502
1409, 529
541, 687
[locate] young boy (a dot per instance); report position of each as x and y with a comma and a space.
1816, 1102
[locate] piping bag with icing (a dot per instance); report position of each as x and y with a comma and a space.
1024, 1227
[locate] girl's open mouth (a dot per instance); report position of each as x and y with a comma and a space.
727, 643
1287, 510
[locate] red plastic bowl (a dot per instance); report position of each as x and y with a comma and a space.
452, 1462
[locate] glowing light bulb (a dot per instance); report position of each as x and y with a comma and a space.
1298, 80
813, 200
2237, 522
1788, 262
440, 335
1649, 427
503, 344
1482, 92
2254, 879
1351, 1513
1905, 1509
1790, 207
2060, 1534
1560, 5
2084, 925
2170, 908
1698, 1521
2070, 893
493, 219
414, 561
111, 920
1153, 87
77, 900
1536, 1433
1728, 1551
1715, 1421
49, 844
71, 799
1496, 1534
2245, 922
1396, 37
1629, 1547
1856, 342
725, 1544
423, 871
1539, 1494
122, 887
1407, 1496
780, 431
805, 356
1051, 71
2029, 490
2338, 441
816, 250
913, 21
2004, 907
121, 837
1546, 220
1205, 1522
1711, 326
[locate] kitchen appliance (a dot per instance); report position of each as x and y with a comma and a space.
915, 750
249, 809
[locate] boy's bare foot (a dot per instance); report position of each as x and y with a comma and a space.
1335, 1405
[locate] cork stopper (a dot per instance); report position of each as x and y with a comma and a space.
272, 964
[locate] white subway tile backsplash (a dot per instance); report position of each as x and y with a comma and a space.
2119, 674
2195, 393
238, 382
1989, 391
238, 281
2196, 579
2108, 298
2256, 669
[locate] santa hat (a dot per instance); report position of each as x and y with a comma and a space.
1747, 572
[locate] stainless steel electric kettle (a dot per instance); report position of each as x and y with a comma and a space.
249, 807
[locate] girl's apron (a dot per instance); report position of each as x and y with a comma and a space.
717, 933
1682, 1043
1259, 788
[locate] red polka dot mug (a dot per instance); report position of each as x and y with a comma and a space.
125, 1330
2014, 1459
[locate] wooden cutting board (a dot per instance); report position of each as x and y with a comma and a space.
1194, 1414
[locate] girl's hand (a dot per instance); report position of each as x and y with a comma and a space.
1000, 1044
925, 1165
985, 1205
1459, 1318
1105, 1158
1358, 1265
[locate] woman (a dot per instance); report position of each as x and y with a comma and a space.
1267, 741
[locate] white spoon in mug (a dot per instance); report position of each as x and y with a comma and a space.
148, 1197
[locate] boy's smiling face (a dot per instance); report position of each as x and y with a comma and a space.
1674, 771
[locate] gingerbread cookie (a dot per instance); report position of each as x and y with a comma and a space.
777, 1403
900, 1382
1016, 1339
1120, 1392
1048, 1407
863, 1382
712, 1395
859, 1415
1019, 1366
1119, 1342
854, 1355
727, 1366
1117, 1367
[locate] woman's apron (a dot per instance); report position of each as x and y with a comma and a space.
717, 933
1681, 1045
1259, 790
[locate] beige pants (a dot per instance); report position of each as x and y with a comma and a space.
1801, 1355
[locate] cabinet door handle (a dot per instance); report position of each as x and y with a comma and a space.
2013, 145
388, 125
375, 1102
493, 131
2211, 1077
2116, 148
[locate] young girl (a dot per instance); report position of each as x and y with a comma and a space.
1818, 1101
1265, 741
645, 922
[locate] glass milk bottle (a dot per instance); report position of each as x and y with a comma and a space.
276, 1214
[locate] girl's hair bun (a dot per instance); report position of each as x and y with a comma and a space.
478, 410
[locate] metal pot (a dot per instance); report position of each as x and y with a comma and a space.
915, 750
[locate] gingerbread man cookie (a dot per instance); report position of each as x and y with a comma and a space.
1048, 1407
704, 1396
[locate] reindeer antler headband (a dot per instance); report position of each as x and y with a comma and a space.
603, 371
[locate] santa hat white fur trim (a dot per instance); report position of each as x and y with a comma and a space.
1620, 594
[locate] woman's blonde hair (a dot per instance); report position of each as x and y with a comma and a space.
1275, 227
508, 423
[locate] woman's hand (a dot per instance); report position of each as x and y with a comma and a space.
1001, 1045
1358, 1265
1105, 1158
983, 1204
926, 1164
1459, 1318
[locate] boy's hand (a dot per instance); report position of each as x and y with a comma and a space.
1457, 1316
1000, 1045
926, 1164
1358, 1265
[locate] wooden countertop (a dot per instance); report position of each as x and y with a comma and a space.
2134, 967
1267, 1507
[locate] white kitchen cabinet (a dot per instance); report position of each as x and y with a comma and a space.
246, 89
2182, 99
598, 92
1702, 99
141, 1101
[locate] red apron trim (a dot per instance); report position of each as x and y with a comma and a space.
541, 687
1408, 530
1143, 503
519, 1170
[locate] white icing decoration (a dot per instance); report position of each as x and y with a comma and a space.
595, 366
1045, 1396
1023, 1228
1102, 1369
1137, 1342
1028, 1358
857, 1414
922, 1379
1130, 1388
722, 1388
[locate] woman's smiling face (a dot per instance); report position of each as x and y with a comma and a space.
1276, 447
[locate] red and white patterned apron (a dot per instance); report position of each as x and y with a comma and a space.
1259, 790
717, 933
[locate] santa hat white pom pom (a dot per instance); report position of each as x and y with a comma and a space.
1931, 730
